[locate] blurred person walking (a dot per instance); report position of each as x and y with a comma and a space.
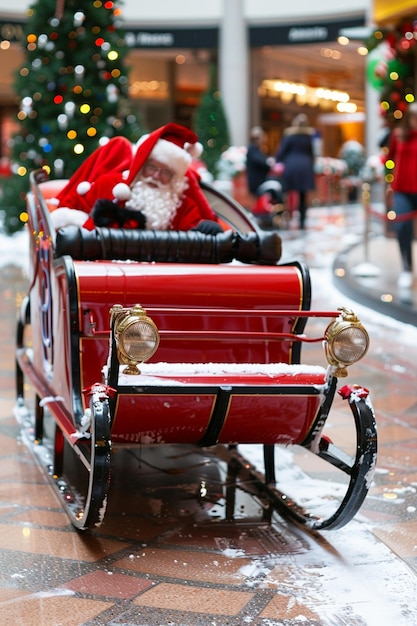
258, 164
265, 189
402, 150
296, 153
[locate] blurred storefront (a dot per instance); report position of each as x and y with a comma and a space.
292, 67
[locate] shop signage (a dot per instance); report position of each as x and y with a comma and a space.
258, 35
172, 38
297, 34
153, 40
308, 33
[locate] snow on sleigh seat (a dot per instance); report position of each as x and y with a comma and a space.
132, 350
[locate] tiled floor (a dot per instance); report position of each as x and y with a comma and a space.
165, 556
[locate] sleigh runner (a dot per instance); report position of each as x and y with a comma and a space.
150, 338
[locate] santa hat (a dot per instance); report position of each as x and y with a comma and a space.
117, 160
172, 144
113, 156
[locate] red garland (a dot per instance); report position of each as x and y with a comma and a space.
104, 391
59, 9
351, 391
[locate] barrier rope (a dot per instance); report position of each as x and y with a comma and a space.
386, 217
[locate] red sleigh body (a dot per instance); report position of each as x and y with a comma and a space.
227, 370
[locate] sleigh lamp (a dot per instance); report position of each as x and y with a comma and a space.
346, 341
137, 337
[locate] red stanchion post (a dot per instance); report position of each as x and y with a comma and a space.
366, 269
366, 203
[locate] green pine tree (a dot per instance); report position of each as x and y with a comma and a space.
73, 91
211, 124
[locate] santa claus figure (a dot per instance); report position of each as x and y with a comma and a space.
150, 185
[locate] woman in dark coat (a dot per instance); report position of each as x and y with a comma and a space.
296, 153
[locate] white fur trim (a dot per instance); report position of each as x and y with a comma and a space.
175, 157
83, 187
195, 149
121, 191
68, 217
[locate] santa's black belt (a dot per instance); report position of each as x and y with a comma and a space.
169, 246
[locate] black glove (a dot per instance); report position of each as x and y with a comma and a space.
208, 227
108, 214
104, 214
260, 248
129, 218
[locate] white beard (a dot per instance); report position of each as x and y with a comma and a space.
158, 204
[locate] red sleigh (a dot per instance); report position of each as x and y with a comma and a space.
139, 338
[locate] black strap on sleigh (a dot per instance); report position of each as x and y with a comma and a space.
167, 246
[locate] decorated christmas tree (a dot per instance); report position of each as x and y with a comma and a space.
391, 71
73, 92
211, 124
391, 68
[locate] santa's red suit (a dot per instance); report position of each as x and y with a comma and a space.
111, 173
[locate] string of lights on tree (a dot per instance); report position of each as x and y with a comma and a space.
73, 90
390, 67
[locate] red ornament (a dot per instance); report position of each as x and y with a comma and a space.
404, 45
